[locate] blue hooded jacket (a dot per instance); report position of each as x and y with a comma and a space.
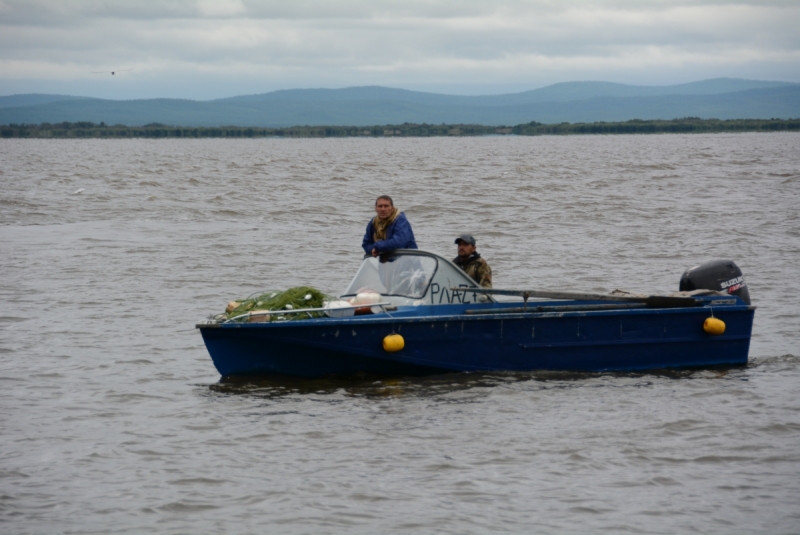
398, 236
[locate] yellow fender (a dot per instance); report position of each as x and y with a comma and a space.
393, 343
714, 326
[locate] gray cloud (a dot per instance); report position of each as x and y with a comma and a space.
208, 48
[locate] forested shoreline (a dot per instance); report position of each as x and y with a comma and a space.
156, 130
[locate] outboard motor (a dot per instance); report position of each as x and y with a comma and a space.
717, 275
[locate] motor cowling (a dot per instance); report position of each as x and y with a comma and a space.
718, 275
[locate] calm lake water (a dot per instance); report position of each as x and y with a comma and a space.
114, 420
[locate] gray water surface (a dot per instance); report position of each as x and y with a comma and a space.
114, 420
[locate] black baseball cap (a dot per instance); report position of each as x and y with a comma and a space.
466, 238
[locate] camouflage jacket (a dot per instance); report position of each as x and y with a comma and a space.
477, 269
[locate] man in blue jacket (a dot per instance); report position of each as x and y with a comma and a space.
387, 231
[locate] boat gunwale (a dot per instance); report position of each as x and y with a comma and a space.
383, 318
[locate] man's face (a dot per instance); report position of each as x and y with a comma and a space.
465, 249
383, 208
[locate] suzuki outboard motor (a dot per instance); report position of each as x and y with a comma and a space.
717, 275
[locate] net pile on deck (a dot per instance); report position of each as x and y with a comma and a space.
268, 306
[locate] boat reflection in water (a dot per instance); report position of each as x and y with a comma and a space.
428, 317
452, 387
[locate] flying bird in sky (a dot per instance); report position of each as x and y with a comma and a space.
112, 72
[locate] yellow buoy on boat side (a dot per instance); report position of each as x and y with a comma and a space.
393, 343
714, 326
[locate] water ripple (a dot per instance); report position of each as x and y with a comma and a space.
115, 421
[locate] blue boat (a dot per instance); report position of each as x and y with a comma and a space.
431, 318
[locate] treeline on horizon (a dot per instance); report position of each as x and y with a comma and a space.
636, 126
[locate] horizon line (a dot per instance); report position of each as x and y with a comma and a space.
407, 90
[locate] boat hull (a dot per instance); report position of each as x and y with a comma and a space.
449, 339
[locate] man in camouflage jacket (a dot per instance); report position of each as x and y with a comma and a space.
471, 262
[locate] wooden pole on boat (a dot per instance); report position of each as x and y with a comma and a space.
652, 301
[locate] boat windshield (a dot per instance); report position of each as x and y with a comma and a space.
402, 275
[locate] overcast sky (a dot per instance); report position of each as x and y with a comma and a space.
204, 49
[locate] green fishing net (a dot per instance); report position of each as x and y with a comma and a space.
297, 298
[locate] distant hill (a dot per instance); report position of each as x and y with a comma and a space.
570, 91
722, 98
33, 99
562, 92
